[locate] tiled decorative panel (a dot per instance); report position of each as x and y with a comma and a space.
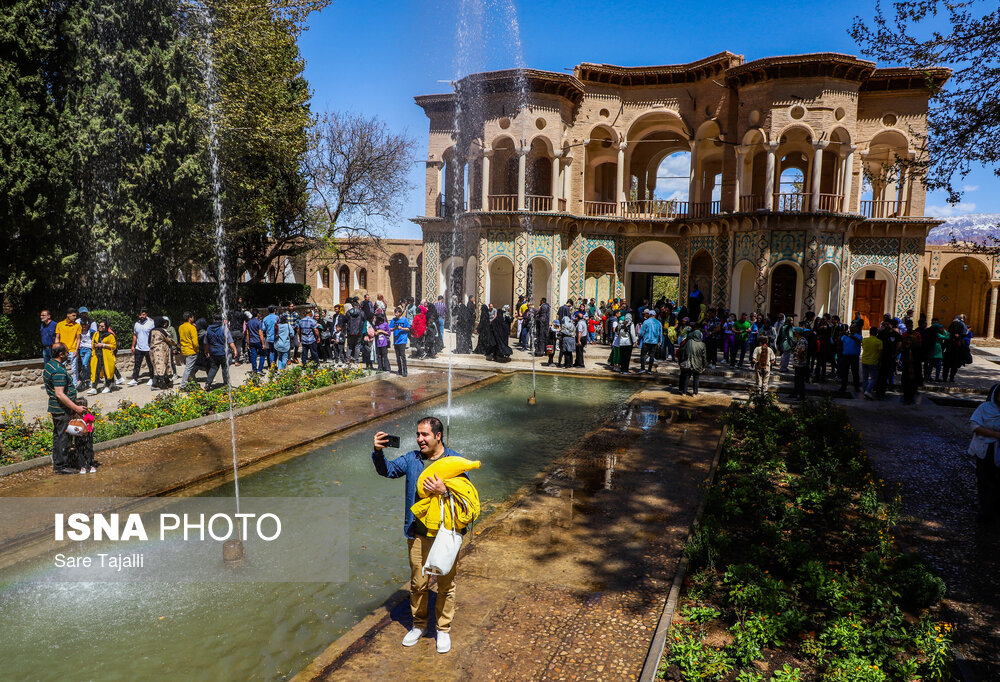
786, 245
831, 248
935, 269
810, 270
909, 277
867, 251
745, 247
432, 266
500, 243
720, 283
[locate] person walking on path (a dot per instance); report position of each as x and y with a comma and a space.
62, 407
140, 347
985, 422
871, 357
692, 356
187, 335
160, 350
581, 339
626, 340
381, 341
255, 343
102, 362
762, 358
786, 341
400, 328
47, 331
293, 319
431, 447
309, 337
68, 334
217, 339
651, 334
87, 329
850, 353
911, 356
269, 323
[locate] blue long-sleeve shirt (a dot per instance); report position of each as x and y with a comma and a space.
410, 465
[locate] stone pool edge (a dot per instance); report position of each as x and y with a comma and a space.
36, 462
369, 626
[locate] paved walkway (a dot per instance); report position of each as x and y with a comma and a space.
922, 448
569, 582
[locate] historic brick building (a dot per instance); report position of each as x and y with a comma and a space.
777, 185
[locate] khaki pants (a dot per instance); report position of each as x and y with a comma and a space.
418, 549
762, 377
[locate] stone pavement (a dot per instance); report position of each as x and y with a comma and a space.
922, 448
570, 581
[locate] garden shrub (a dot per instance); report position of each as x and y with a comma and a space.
796, 553
121, 323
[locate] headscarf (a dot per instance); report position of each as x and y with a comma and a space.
432, 319
419, 322
986, 415
703, 313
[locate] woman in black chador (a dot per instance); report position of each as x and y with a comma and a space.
483, 330
499, 333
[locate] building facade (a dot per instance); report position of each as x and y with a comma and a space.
786, 184
394, 268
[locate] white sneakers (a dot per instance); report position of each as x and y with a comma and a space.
412, 637
107, 389
133, 382
443, 642
92, 391
149, 383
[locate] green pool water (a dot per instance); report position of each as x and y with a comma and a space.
267, 631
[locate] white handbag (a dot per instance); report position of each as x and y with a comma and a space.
447, 544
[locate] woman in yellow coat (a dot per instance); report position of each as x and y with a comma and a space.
102, 360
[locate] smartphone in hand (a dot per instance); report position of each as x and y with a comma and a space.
393, 441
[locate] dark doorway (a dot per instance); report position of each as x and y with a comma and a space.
783, 285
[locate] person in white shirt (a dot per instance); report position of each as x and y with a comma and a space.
140, 347
87, 329
761, 360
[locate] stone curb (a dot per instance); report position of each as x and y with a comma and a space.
190, 424
659, 642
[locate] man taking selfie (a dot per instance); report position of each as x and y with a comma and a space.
430, 434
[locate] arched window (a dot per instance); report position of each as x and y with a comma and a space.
362, 278
325, 278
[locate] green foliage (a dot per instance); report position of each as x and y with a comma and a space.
121, 323
796, 553
786, 674
19, 337
696, 660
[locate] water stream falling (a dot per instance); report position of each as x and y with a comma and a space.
211, 93
467, 130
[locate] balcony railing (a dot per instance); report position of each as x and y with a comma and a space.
885, 209
791, 201
446, 208
562, 205
834, 203
703, 209
654, 208
751, 202
599, 208
503, 202
537, 203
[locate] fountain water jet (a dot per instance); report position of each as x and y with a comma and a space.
232, 549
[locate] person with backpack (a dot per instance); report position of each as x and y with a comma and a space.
217, 341
626, 340
255, 343
693, 357
786, 341
850, 356
283, 333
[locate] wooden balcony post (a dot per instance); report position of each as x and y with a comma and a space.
555, 181
486, 179
817, 171
522, 174
772, 147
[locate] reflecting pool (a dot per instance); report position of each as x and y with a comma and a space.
262, 631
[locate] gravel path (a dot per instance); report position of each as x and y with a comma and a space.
923, 449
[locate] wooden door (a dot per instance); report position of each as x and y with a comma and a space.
342, 277
869, 300
784, 281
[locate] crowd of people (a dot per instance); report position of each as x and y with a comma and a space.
873, 358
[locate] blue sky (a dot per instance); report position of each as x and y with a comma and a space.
373, 58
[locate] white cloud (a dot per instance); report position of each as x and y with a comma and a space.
672, 177
950, 211
970, 188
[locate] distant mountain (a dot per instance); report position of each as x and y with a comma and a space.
967, 228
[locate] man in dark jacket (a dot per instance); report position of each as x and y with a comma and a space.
355, 330
217, 338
